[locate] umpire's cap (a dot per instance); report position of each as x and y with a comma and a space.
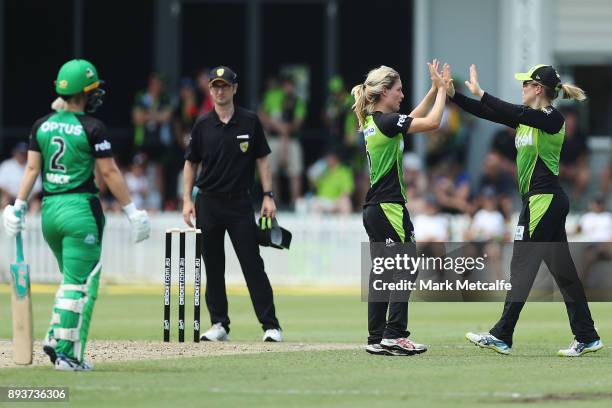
223, 73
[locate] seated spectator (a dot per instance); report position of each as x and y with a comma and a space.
488, 223
151, 116
495, 178
186, 113
141, 189
486, 232
596, 228
333, 182
596, 224
282, 114
452, 189
431, 226
205, 102
416, 183
574, 165
343, 134
503, 145
605, 180
11, 173
152, 119
338, 116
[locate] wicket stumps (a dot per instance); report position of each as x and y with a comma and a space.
181, 281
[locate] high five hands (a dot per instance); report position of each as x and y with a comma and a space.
447, 77
440, 80
473, 84
437, 79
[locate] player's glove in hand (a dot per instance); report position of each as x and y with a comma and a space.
14, 217
139, 221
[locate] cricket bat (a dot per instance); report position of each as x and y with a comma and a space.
21, 306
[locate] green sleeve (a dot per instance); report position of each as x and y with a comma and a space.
300, 109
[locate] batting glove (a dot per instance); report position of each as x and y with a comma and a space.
13, 217
139, 221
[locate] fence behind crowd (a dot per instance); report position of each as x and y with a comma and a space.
325, 251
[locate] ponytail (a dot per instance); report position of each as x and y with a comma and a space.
359, 107
367, 94
573, 92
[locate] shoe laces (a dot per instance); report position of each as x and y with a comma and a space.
406, 342
490, 339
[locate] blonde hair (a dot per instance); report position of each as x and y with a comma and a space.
573, 92
368, 94
59, 104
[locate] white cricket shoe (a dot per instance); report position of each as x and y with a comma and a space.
403, 346
216, 333
487, 340
65, 363
576, 349
273, 335
378, 350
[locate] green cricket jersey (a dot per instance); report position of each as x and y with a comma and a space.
384, 140
69, 144
539, 138
537, 159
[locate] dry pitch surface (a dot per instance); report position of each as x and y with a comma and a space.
99, 351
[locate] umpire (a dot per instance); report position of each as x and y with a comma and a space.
228, 142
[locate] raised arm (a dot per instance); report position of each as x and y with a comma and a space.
422, 108
475, 107
547, 119
432, 120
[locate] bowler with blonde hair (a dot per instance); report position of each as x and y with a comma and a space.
385, 217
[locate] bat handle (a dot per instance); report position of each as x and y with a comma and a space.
19, 241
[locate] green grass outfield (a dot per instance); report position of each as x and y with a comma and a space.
453, 373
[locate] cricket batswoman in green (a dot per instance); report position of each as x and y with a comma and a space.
65, 148
72, 218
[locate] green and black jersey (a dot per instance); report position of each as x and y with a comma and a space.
384, 140
539, 138
69, 143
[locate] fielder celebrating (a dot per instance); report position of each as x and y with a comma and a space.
540, 130
66, 146
385, 217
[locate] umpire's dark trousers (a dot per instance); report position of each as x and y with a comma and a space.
546, 242
232, 212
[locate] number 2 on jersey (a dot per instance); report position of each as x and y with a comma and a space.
54, 163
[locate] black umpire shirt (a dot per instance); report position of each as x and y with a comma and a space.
227, 151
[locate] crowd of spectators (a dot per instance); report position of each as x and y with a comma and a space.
336, 182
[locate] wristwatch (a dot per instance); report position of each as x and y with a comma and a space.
269, 194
